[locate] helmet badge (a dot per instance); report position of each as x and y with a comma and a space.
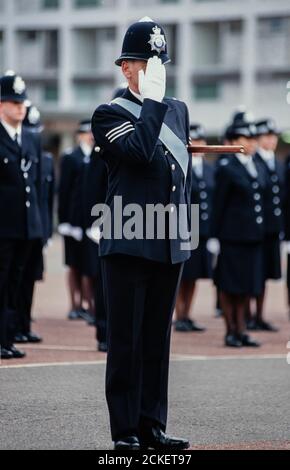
157, 40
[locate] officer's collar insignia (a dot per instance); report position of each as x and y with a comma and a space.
19, 85
33, 115
157, 40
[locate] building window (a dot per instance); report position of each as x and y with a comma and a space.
50, 4
206, 91
50, 93
87, 3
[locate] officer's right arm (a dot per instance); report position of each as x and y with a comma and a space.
131, 142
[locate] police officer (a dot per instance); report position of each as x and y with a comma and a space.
20, 214
199, 266
138, 135
273, 174
70, 171
34, 268
238, 225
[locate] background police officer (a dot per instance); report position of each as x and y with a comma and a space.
199, 266
70, 173
141, 275
20, 215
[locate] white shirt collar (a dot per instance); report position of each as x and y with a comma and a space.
139, 97
266, 154
11, 131
244, 159
86, 149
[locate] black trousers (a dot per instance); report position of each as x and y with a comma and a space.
13, 258
101, 316
33, 270
140, 298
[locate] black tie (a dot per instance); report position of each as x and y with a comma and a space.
16, 140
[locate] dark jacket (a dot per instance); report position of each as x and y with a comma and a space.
47, 195
142, 171
273, 195
70, 170
20, 188
202, 194
238, 209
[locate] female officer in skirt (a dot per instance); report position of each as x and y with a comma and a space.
199, 266
238, 224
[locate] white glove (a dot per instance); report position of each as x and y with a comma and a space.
152, 84
64, 229
94, 234
213, 246
287, 247
76, 233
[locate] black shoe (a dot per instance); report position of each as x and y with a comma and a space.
75, 315
248, 341
5, 354
33, 338
127, 443
182, 326
20, 338
103, 347
155, 438
251, 325
91, 319
16, 354
233, 341
195, 326
266, 326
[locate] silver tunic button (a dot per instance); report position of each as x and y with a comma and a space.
275, 189
258, 208
25, 175
203, 195
277, 212
202, 185
97, 149
257, 197
166, 152
274, 178
204, 216
5, 161
276, 200
172, 167
203, 205
255, 185
28, 189
259, 220
27, 204
174, 188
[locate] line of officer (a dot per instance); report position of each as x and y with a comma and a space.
238, 197
20, 159
141, 276
92, 190
70, 171
273, 174
35, 264
287, 223
199, 266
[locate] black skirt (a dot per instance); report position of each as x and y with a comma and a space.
272, 257
199, 265
90, 258
240, 269
72, 253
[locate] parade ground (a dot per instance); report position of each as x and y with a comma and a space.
220, 398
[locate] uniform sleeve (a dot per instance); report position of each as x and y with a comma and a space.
133, 143
64, 193
220, 196
51, 199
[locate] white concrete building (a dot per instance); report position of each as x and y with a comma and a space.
224, 53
